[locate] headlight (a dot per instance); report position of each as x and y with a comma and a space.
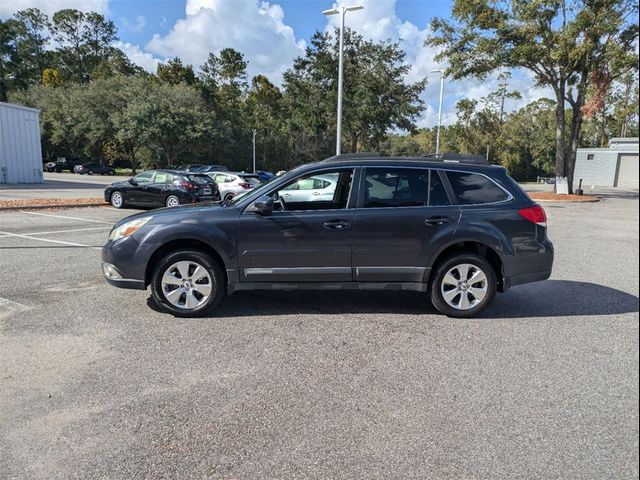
128, 228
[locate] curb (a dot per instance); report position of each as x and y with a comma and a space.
41, 207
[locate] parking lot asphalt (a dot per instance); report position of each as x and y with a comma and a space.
95, 383
60, 185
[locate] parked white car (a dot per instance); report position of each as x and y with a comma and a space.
311, 189
231, 183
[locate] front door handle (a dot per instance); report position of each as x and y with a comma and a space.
336, 224
437, 221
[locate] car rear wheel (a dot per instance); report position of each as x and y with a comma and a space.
187, 283
117, 200
90, 172
172, 201
463, 286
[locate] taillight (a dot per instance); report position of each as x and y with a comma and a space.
535, 214
188, 185
245, 185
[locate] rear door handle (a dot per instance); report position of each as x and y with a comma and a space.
336, 224
437, 221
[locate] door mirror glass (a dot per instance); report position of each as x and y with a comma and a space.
263, 205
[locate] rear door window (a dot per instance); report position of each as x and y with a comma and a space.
403, 187
475, 189
163, 177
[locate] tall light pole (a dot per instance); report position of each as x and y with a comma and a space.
441, 72
254, 150
342, 11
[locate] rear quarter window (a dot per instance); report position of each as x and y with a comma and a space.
475, 189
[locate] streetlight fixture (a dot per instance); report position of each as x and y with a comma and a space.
342, 12
441, 72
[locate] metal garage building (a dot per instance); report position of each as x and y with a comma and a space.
20, 150
616, 166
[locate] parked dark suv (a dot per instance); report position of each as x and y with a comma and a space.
460, 232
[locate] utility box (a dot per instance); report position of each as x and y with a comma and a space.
20, 149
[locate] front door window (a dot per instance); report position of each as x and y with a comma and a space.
317, 191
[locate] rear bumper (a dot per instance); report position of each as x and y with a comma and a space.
509, 282
530, 268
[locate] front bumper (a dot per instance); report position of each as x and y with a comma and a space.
114, 277
124, 263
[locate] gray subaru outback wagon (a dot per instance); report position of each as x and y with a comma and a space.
456, 231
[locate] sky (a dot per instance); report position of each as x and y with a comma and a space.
271, 34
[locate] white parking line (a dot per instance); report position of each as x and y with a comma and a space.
18, 235
7, 306
66, 217
53, 232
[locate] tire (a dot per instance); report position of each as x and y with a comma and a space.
228, 196
117, 199
453, 296
172, 201
169, 276
111, 172
90, 172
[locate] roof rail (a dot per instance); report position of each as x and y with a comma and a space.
465, 158
350, 156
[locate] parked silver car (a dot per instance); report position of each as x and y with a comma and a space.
310, 189
231, 184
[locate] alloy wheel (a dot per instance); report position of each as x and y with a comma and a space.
173, 201
116, 199
187, 285
464, 286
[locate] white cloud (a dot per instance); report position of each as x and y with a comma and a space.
255, 29
9, 7
137, 26
138, 56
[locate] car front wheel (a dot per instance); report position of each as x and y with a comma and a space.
187, 283
463, 286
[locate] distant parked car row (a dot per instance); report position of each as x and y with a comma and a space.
82, 167
173, 187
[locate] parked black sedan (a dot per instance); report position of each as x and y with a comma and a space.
93, 168
162, 188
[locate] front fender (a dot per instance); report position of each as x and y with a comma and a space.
212, 235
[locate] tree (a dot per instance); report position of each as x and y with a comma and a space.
8, 56
264, 113
562, 43
84, 39
31, 40
376, 96
223, 81
176, 118
174, 72
129, 118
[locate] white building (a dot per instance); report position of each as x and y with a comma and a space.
616, 166
20, 150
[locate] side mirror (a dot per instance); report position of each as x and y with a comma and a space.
263, 205
133, 182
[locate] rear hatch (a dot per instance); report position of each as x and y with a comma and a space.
205, 187
250, 181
